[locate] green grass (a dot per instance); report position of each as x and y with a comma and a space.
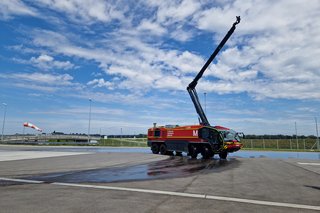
127, 142
279, 144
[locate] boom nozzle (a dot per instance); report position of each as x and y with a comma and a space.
237, 21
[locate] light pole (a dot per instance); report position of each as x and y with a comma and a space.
205, 102
295, 126
89, 121
4, 119
318, 144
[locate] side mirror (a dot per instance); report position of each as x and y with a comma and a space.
241, 134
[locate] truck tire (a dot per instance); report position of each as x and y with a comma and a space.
223, 155
155, 148
163, 149
178, 153
170, 153
193, 151
206, 152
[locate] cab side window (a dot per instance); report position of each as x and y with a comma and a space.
157, 133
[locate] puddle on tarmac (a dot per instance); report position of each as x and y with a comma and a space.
173, 167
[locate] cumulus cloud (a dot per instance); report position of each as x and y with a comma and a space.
151, 27
47, 62
169, 12
272, 53
101, 83
139, 67
277, 56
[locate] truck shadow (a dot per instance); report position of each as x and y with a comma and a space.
173, 167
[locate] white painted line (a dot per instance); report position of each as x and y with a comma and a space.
180, 194
21, 180
24, 155
266, 203
312, 164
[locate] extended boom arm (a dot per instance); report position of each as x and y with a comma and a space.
192, 86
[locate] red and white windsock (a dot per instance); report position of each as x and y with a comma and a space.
30, 125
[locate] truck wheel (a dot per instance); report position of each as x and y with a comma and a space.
178, 153
193, 151
223, 155
206, 153
170, 153
155, 148
163, 149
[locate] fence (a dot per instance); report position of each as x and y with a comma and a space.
130, 142
287, 144
271, 144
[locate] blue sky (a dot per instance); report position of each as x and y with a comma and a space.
134, 59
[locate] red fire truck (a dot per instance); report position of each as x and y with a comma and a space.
194, 139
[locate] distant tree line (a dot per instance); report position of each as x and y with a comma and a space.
98, 135
127, 136
279, 136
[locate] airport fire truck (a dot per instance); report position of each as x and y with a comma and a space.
194, 139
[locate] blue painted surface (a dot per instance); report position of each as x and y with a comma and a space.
239, 154
277, 154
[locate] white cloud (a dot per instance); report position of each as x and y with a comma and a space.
151, 27
86, 10
44, 82
175, 17
170, 82
145, 51
181, 35
139, 67
64, 79
101, 83
9, 8
47, 62
78, 111
169, 12
272, 53
277, 57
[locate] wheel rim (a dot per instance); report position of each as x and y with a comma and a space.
205, 153
193, 152
163, 149
155, 149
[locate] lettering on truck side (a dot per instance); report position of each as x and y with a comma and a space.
170, 133
195, 133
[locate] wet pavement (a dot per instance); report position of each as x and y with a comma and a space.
174, 167
135, 180
146, 150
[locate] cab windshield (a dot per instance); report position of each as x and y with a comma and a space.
231, 135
